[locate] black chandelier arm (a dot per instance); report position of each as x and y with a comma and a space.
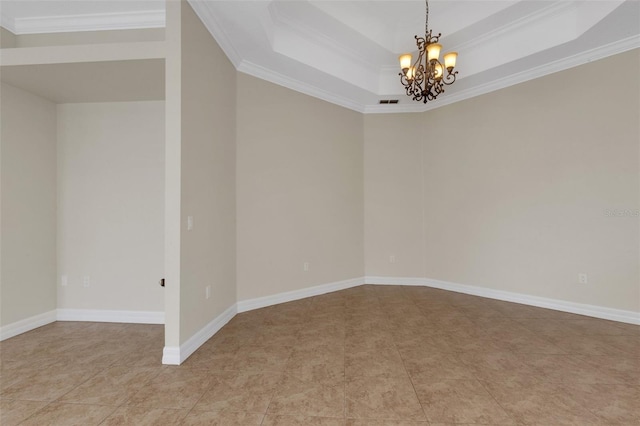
450, 78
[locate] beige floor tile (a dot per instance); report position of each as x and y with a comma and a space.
375, 422
13, 412
541, 366
630, 329
424, 365
13, 372
113, 386
524, 341
143, 354
284, 420
60, 329
374, 363
230, 341
363, 341
620, 407
226, 418
459, 401
320, 365
496, 366
567, 369
460, 340
546, 327
218, 359
587, 345
433, 343
382, 398
47, 385
249, 391
328, 328
630, 344
277, 335
56, 414
177, 388
518, 311
594, 327
319, 340
262, 358
615, 369
453, 322
534, 402
304, 397
144, 416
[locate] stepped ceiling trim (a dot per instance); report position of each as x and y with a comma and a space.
88, 22
346, 52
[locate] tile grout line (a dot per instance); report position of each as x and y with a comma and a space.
407, 371
344, 361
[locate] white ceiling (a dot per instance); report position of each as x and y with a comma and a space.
346, 52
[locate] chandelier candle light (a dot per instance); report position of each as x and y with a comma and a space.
425, 79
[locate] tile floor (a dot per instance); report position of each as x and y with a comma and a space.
367, 356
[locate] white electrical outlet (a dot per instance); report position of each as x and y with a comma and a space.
207, 292
305, 266
86, 281
582, 278
64, 281
392, 258
189, 223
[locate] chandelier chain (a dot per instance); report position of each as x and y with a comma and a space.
426, 21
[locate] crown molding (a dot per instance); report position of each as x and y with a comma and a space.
587, 56
90, 22
208, 18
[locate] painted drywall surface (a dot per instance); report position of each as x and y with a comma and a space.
111, 205
522, 188
207, 179
7, 39
28, 218
393, 218
300, 190
172, 184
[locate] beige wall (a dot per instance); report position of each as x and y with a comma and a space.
111, 205
393, 218
300, 183
28, 199
7, 39
208, 124
515, 188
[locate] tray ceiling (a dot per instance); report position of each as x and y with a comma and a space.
346, 52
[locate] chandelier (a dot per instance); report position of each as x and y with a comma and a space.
425, 79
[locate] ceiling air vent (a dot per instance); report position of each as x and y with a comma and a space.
388, 101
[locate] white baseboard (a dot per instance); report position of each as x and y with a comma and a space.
27, 324
620, 315
99, 315
173, 355
289, 296
177, 355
